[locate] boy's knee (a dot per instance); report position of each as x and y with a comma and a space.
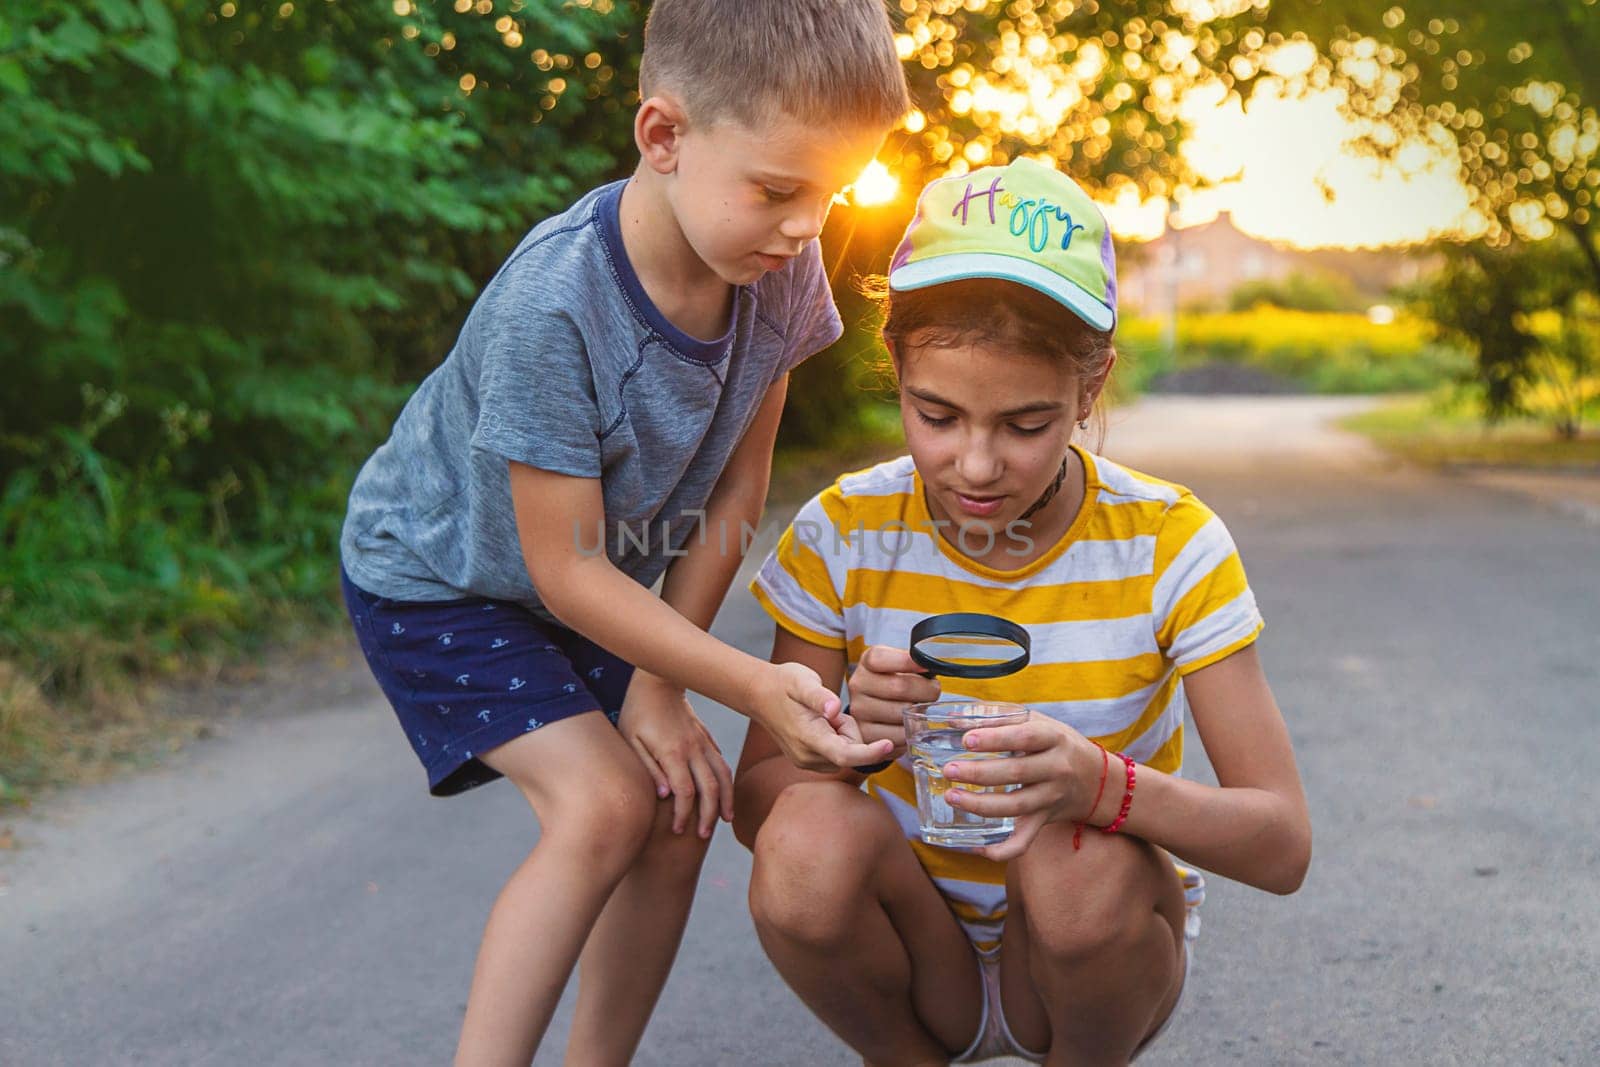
814, 853
676, 856
608, 826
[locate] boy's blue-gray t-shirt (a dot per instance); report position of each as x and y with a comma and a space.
565, 364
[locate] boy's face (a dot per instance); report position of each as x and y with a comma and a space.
748, 200
987, 428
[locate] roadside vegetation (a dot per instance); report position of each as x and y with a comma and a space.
1447, 431
235, 235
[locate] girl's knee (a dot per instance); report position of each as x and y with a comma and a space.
814, 854
822, 825
1087, 902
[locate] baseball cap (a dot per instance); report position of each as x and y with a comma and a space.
1024, 222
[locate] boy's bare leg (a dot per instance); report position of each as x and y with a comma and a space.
854, 925
1100, 933
628, 954
594, 803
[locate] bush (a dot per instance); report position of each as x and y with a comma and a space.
1324, 352
232, 238
1299, 292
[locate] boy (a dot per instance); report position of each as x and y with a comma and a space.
609, 409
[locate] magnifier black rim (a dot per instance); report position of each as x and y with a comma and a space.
970, 622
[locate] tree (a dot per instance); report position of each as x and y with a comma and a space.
1511, 90
257, 215
234, 234
1092, 86
1525, 311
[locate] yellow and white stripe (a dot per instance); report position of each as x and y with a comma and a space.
1144, 587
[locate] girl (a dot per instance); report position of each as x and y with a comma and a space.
1070, 941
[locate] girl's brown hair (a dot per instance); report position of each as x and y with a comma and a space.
990, 311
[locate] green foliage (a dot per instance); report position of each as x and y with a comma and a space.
1323, 352
233, 236
1527, 314
1512, 87
1299, 292
1514, 92
1094, 85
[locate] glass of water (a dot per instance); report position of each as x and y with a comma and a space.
934, 734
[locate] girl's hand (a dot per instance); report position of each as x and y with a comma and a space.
1057, 768
678, 751
883, 683
805, 720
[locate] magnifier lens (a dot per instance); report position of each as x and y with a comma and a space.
964, 651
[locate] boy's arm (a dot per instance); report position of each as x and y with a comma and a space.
587, 593
656, 718
763, 773
696, 583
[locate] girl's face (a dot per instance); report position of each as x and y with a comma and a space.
988, 429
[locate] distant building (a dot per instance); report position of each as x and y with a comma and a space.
1215, 258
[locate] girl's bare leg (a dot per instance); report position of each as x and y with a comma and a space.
629, 952
1098, 936
594, 804
854, 925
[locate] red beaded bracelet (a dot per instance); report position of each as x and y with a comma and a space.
1077, 828
1127, 799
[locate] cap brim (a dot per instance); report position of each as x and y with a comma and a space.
966, 266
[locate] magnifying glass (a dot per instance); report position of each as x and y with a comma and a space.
965, 644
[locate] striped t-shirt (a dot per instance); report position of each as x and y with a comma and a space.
1144, 587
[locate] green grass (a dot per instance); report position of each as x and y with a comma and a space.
114, 582
1436, 432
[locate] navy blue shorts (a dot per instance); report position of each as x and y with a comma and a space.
466, 676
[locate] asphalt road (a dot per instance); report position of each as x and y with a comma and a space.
287, 893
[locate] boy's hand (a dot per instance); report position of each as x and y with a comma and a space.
678, 751
1057, 768
805, 720
883, 683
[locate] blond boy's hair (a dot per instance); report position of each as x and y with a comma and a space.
832, 62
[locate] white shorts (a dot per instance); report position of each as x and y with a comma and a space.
995, 1039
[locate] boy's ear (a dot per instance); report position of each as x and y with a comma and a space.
658, 132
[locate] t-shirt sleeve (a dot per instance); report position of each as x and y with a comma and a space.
801, 584
813, 317
1201, 604
536, 394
